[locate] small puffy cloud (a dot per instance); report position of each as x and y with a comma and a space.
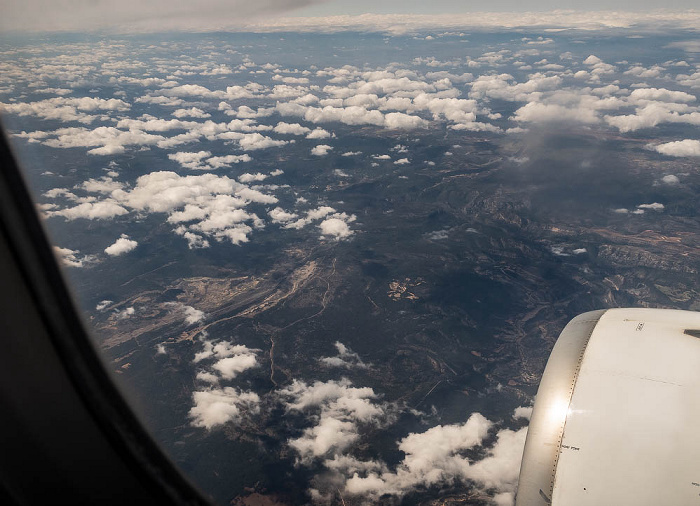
321, 150
523, 412
330, 434
126, 313
150, 123
102, 305
605, 91
290, 129
311, 215
341, 414
402, 161
435, 457
353, 115
60, 192
160, 100
290, 80
193, 112
207, 351
654, 113
503, 87
655, 206
336, 228
537, 112
339, 409
692, 81
319, 133
104, 140
401, 121
104, 185
207, 377
121, 246
287, 91
216, 162
500, 469
255, 141
194, 241
431, 457
231, 360
103, 210
200, 207
319, 212
191, 314
230, 367
279, 215
438, 235
205, 204
245, 112
250, 178
670, 179
66, 109
598, 66
559, 251
72, 258
190, 160
219, 406
334, 396
345, 358
686, 147
645, 73
194, 90
661, 95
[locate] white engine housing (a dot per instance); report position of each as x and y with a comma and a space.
617, 415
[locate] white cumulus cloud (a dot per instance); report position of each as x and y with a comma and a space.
686, 147
72, 258
321, 150
121, 246
336, 227
218, 406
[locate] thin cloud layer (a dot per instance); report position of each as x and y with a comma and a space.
138, 15
398, 24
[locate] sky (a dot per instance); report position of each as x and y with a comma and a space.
164, 15
337, 7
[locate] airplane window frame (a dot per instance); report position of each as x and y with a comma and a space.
67, 383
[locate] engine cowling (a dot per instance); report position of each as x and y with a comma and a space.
616, 420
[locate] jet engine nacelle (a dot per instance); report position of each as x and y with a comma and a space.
617, 415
